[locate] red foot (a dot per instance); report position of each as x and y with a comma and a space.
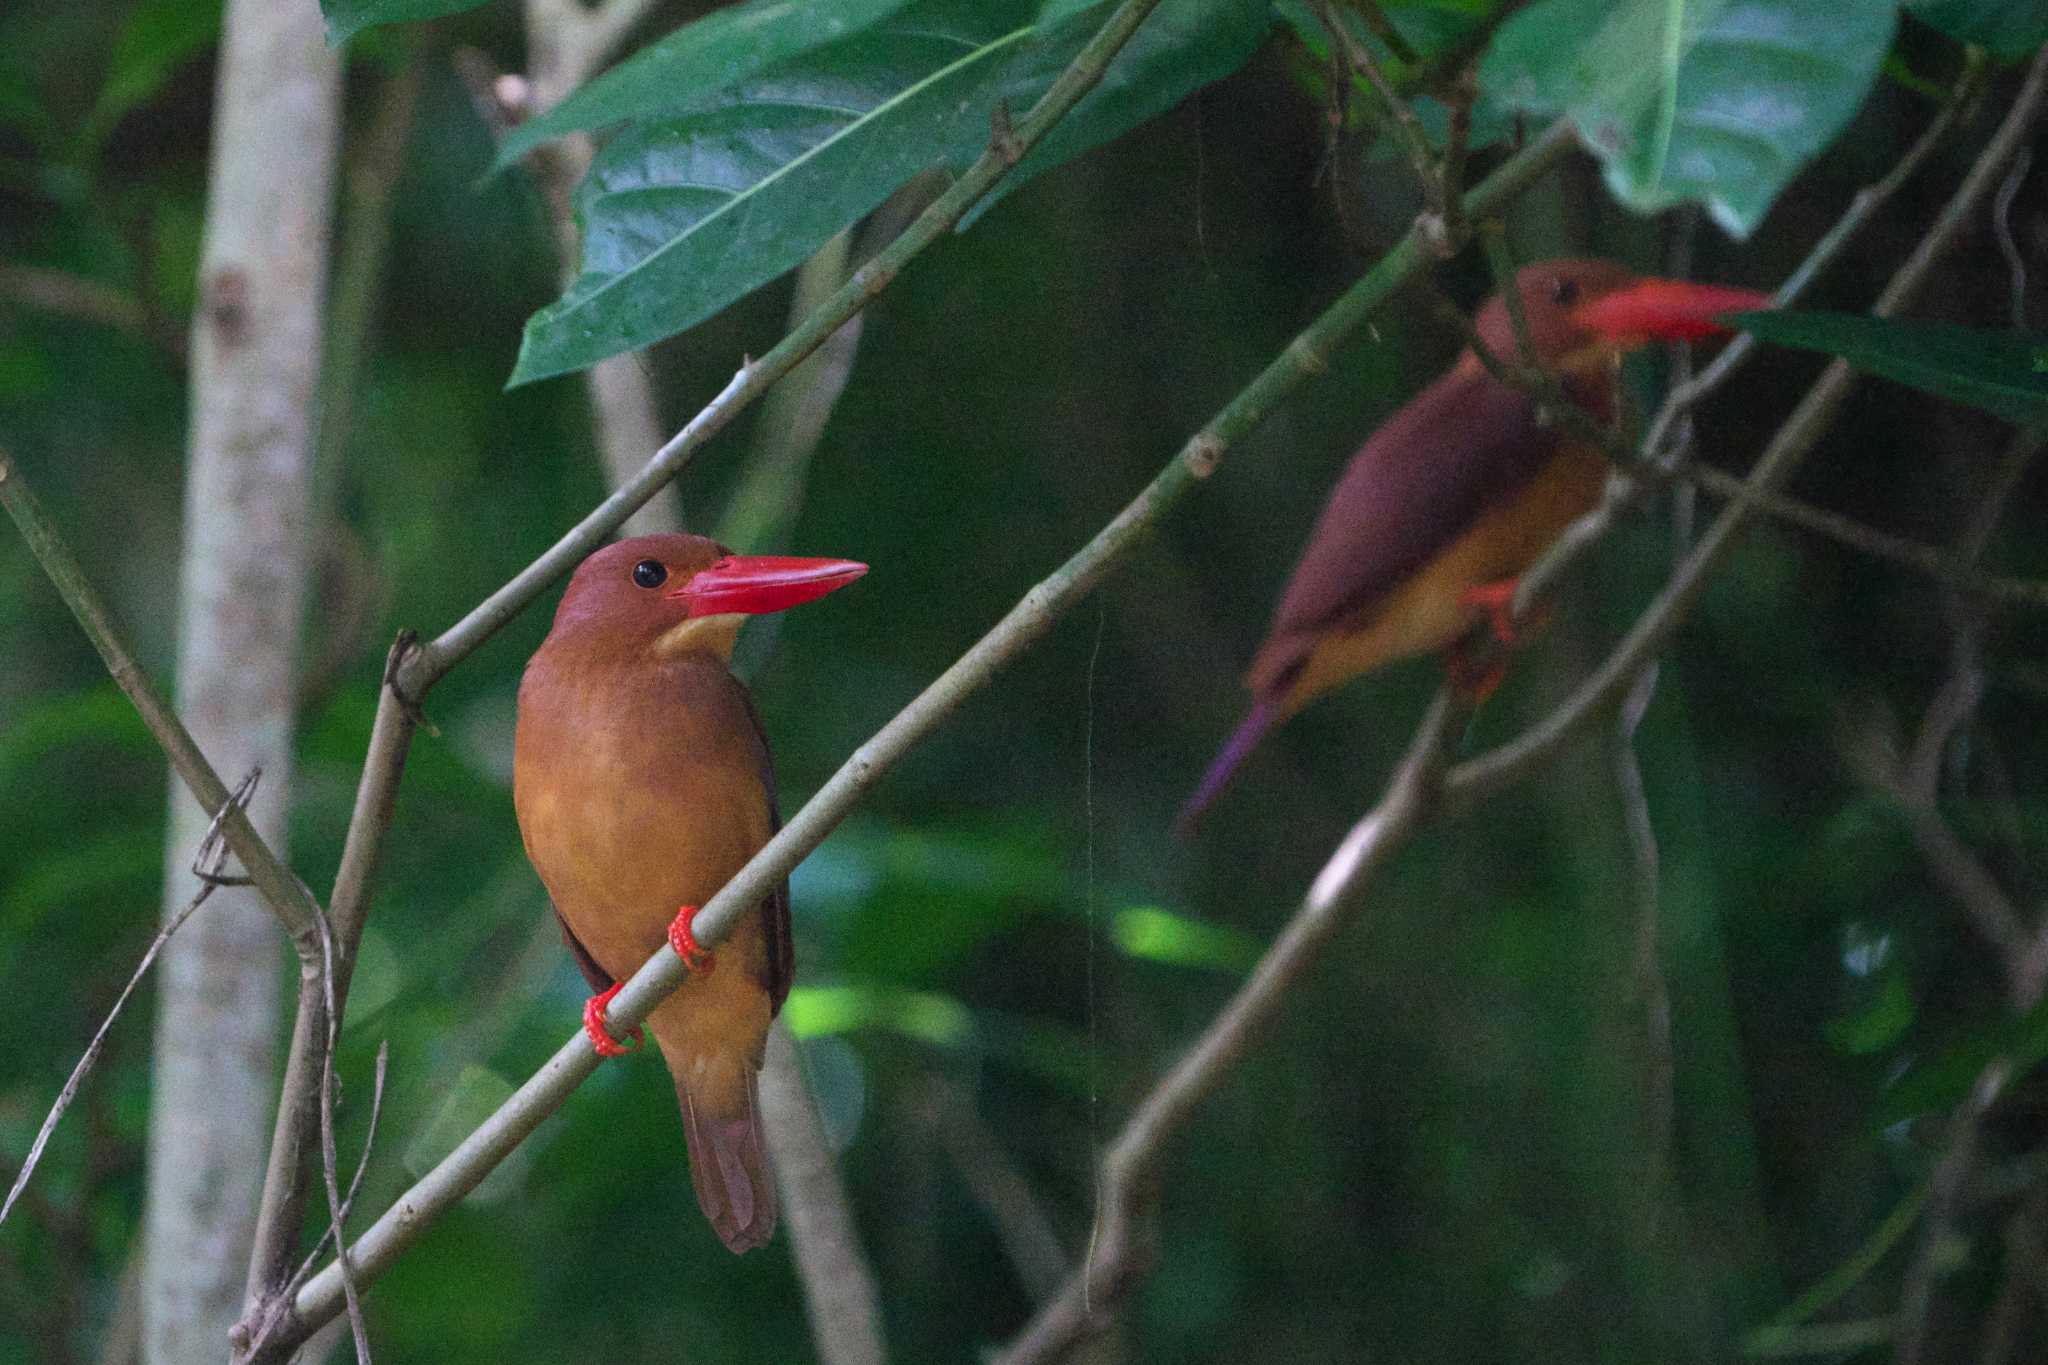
1477, 680
696, 958
593, 1024
1497, 600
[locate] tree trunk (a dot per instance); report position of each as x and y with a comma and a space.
255, 359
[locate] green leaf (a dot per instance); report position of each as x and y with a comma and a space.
1944, 1081
2001, 372
1146, 931
821, 1011
476, 1095
1879, 1022
157, 37
1183, 46
685, 213
713, 53
346, 18
1722, 101
2008, 28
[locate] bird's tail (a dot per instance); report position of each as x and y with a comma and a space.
1246, 738
729, 1163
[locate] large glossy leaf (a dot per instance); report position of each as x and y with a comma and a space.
346, 18
2009, 28
1722, 101
713, 53
2001, 372
684, 213
1185, 45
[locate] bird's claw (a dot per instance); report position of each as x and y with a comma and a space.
1475, 679
694, 955
600, 1038
1497, 600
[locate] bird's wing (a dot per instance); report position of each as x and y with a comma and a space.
775, 911
598, 977
1459, 446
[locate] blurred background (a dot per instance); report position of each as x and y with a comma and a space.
1453, 1148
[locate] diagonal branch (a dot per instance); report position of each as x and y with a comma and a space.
208, 865
1303, 359
1118, 1257
1788, 448
1419, 790
414, 668
281, 888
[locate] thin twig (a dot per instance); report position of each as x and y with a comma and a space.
1862, 205
844, 1307
1945, 1190
1384, 30
281, 889
328, 1161
59, 291
1302, 359
1493, 235
2001, 224
1953, 569
1119, 1253
756, 377
992, 1177
1800, 432
207, 865
1438, 221
1647, 967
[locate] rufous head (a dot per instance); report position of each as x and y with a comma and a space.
676, 592
1573, 306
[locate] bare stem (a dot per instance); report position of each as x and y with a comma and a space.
1788, 448
281, 889
1302, 360
1119, 1255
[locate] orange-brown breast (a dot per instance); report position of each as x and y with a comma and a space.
640, 787
1423, 613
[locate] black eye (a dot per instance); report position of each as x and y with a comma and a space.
1564, 292
650, 573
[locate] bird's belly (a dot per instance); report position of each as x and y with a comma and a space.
1425, 614
620, 852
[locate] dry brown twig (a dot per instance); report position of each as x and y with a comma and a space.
209, 864
321, 1297
1422, 788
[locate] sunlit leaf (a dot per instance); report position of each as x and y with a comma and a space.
822, 1011
2002, 372
1722, 101
707, 55
1146, 931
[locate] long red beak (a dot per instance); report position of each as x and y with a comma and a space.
1665, 310
756, 584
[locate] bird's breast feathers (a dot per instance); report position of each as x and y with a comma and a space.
638, 789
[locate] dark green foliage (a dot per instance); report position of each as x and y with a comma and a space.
2002, 372
704, 198
1452, 1148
